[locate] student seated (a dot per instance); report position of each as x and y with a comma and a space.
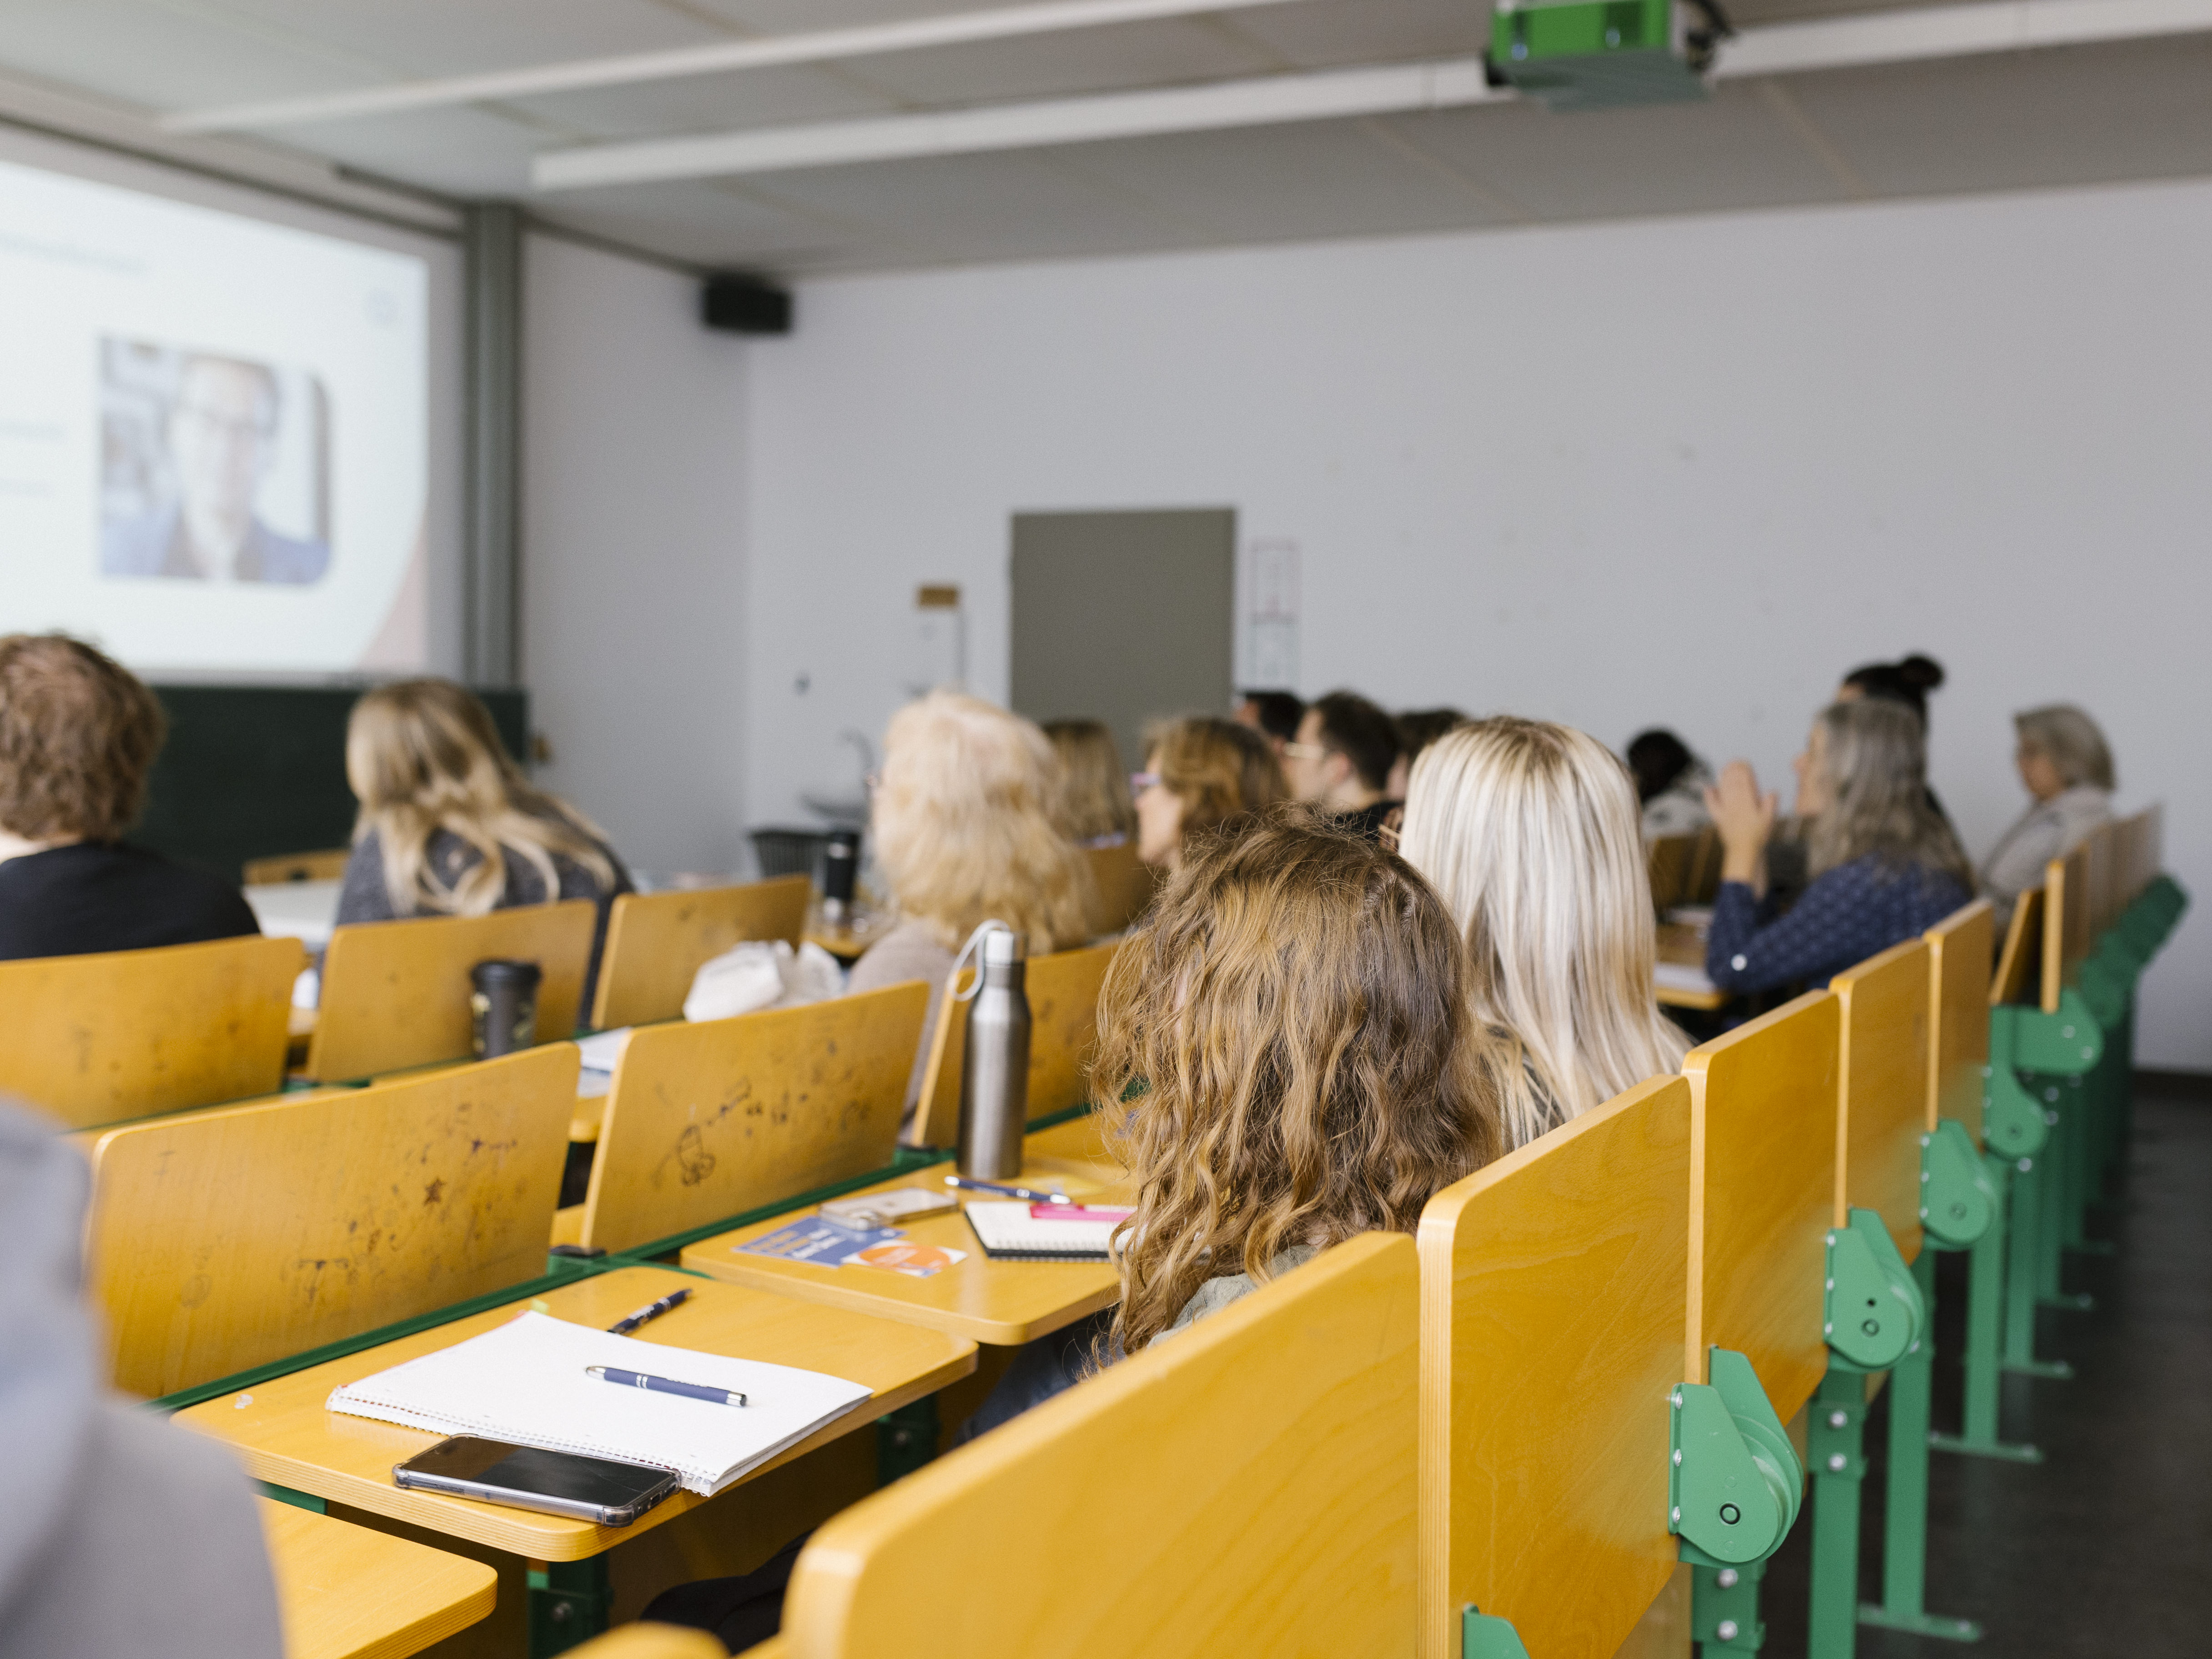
1095, 805
1340, 762
966, 830
2066, 767
1273, 715
1907, 681
1417, 729
450, 827
78, 734
1200, 774
1528, 831
126, 1537
1670, 784
1885, 867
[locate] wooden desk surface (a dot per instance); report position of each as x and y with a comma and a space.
1001, 1303
1683, 946
349, 1592
286, 1437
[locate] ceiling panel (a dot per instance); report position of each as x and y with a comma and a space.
173, 57
1170, 52
723, 224
1372, 31
711, 103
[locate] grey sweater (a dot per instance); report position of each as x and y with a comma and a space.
2049, 830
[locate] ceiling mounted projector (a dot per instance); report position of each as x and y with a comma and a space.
1604, 54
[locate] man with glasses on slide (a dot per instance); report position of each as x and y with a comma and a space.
221, 432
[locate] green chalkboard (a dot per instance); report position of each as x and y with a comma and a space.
258, 771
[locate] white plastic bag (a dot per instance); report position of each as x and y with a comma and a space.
763, 974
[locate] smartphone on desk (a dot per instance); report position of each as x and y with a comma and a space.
526, 1477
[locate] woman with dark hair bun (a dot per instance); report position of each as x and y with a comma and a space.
1909, 680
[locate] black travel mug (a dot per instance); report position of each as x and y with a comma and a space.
504, 1001
841, 866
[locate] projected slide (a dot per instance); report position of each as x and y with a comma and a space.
213, 435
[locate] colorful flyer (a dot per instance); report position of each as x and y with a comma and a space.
914, 1260
817, 1239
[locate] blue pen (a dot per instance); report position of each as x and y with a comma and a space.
664, 1385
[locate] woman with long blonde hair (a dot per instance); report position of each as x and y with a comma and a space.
1096, 810
967, 827
1528, 831
450, 826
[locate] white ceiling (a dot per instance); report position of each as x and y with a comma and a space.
2058, 116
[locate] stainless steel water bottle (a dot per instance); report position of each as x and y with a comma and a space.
994, 1086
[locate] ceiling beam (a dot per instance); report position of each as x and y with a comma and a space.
1898, 36
820, 46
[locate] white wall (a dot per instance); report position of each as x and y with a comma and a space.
633, 553
1684, 471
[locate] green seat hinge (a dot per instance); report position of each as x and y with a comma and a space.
1481, 1637
2067, 1044
2014, 1123
1874, 1312
1733, 1481
1958, 1199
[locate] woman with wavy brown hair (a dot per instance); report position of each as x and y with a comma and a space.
1200, 774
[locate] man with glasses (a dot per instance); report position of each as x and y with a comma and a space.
1341, 761
222, 442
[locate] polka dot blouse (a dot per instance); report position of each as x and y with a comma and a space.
1845, 916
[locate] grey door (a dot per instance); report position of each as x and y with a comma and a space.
1124, 618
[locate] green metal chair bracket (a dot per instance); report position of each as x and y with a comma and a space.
2067, 1044
1481, 1637
1734, 1482
1874, 1313
1959, 1199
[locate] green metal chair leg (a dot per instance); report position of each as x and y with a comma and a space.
1904, 1515
570, 1604
906, 1439
1724, 1610
2025, 1232
1984, 1355
1836, 1449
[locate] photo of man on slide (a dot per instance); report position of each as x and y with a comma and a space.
197, 464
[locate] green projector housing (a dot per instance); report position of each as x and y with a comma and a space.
1598, 54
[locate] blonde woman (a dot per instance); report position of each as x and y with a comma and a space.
449, 825
966, 830
1885, 867
2065, 765
1200, 774
1528, 832
1094, 805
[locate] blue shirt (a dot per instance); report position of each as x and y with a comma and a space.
1851, 913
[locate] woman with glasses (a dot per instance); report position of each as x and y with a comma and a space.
1200, 774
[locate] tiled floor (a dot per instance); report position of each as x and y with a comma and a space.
2105, 1548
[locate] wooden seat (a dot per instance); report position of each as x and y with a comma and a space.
1554, 1287
1063, 995
347, 1592
128, 1034
2020, 963
1121, 888
224, 1239
1959, 948
396, 994
665, 1642
1763, 1104
1882, 1089
1685, 869
708, 1121
1245, 1486
2068, 933
327, 864
657, 941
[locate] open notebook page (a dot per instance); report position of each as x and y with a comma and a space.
524, 1384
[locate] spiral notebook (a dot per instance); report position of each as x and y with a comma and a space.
524, 1382
1017, 1231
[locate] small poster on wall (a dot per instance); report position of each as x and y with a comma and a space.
1272, 613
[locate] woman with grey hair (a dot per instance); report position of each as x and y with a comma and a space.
1885, 865
2066, 767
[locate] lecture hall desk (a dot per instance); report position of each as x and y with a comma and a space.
286, 1437
1685, 947
349, 1592
999, 1303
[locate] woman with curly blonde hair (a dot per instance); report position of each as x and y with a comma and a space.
966, 831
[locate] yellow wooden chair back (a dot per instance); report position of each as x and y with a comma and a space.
1763, 1193
1063, 993
656, 942
1959, 948
224, 1239
1244, 1488
1554, 1284
1882, 1087
2066, 923
2019, 964
396, 994
2101, 866
325, 864
711, 1119
350, 1592
667, 1641
128, 1034
1121, 887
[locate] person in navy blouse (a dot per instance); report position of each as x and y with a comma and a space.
1885, 865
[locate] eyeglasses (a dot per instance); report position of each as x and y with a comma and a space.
1307, 750
1141, 781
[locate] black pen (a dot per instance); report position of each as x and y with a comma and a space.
1029, 1193
651, 1310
